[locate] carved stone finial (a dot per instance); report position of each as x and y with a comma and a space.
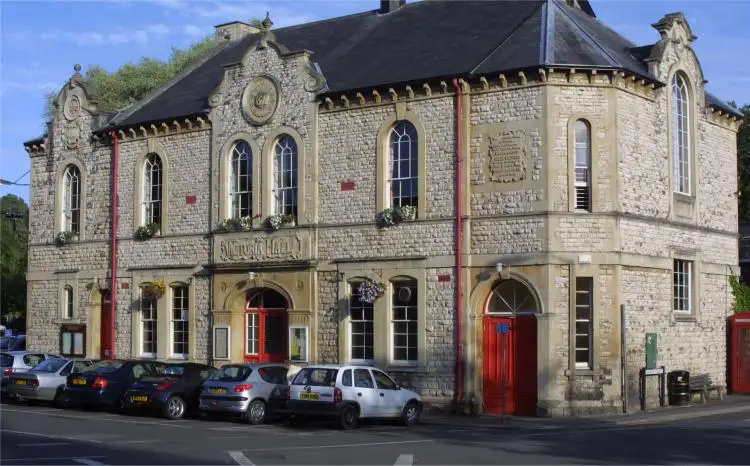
77, 69
267, 23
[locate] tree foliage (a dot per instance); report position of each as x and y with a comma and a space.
743, 165
13, 259
741, 294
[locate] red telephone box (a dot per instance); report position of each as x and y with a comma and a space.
740, 352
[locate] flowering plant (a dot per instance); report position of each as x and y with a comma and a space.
154, 289
65, 237
395, 215
146, 231
236, 224
276, 221
370, 290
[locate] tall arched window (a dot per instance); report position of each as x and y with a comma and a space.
241, 181
681, 134
152, 189
403, 167
71, 211
285, 176
582, 144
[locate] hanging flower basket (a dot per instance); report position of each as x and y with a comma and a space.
370, 290
154, 289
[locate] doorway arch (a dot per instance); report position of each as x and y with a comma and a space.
266, 325
510, 348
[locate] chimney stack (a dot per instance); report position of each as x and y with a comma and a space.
235, 30
389, 6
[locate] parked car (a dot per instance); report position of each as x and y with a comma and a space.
175, 392
349, 394
254, 391
45, 381
13, 343
104, 383
12, 362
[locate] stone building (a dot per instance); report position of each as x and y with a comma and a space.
367, 188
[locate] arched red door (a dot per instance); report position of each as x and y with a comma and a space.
266, 326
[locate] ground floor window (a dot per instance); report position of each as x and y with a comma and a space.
584, 324
180, 321
404, 325
253, 333
362, 327
148, 326
682, 285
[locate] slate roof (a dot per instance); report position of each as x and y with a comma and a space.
419, 41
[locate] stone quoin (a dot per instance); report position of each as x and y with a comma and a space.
598, 178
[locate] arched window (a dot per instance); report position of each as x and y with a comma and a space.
241, 181
152, 190
71, 211
405, 321
285, 176
511, 297
403, 165
68, 297
681, 134
582, 144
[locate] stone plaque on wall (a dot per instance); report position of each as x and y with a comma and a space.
506, 154
260, 99
263, 248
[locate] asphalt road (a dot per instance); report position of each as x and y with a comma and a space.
45, 435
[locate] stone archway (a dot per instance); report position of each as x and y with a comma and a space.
509, 348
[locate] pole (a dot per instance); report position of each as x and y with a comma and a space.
623, 360
503, 374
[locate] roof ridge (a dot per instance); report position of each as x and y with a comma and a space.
587, 37
547, 35
131, 109
507, 38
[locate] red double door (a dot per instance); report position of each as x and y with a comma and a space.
510, 365
266, 335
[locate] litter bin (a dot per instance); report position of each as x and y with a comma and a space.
678, 387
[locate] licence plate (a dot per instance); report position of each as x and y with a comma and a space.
79, 381
309, 396
139, 399
218, 390
21, 382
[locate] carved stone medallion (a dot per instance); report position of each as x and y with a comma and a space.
72, 135
507, 156
260, 100
72, 108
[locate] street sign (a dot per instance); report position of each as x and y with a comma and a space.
502, 328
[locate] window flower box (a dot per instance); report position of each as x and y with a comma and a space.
236, 224
65, 237
277, 221
395, 215
370, 290
147, 231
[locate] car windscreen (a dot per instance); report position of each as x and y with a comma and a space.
50, 365
316, 377
6, 360
176, 371
231, 374
104, 367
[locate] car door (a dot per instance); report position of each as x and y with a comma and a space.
388, 392
367, 395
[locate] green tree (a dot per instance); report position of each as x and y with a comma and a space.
743, 165
13, 260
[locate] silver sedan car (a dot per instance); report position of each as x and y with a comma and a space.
252, 390
44, 382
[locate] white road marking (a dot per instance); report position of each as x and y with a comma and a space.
61, 437
239, 458
100, 418
345, 445
52, 459
259, 426
87, 461
48, 444
139, 441
404, 460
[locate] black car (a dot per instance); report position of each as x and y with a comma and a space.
104, 384
174, 392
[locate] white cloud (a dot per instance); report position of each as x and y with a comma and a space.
192, 30
242, 10
94, 38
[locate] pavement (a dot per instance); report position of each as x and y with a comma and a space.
42, 435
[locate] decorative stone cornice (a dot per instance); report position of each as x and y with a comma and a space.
163, 128
722, 118
36, 147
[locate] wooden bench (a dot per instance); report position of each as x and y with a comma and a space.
703, 384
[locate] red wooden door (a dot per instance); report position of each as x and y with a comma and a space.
105, 329
519, 371
266, 335
741, 353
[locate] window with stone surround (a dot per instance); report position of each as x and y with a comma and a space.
584, 325
241, 181
582, 146
68, 302
403, 165
681, 134
404, 321
148, 326
284, 187
180, 321
70, 219
361, 327
682, 284
153, 190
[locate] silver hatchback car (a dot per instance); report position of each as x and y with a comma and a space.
254, 391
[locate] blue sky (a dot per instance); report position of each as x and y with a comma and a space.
40, 41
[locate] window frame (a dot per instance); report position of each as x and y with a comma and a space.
582, 173
73, 330
589, 365
68, 302
228, 329
67, 210
687, 285
306, 328
185, 321
278, 205
257, 319
352, 294
152, 210
155, 322
681, 136
232, 211
393, 285
396, 140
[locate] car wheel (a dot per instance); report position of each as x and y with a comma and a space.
174, 408
410, 415
349, 417
256, 412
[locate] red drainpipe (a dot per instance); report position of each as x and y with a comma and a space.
115, 201
459, 239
